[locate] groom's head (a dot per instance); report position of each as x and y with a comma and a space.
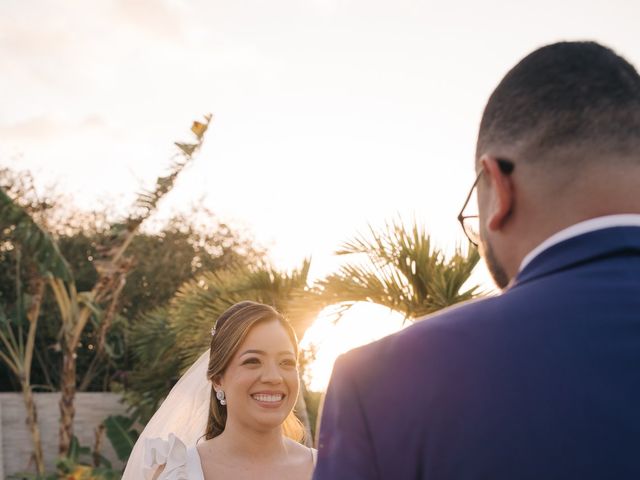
559, 142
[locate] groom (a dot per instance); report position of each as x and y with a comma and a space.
542, 381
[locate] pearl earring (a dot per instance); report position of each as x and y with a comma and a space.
220, 397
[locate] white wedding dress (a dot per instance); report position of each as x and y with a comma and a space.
180, 462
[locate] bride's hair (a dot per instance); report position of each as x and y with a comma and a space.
230, 330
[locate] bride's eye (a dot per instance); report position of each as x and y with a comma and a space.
251, 361
289, 362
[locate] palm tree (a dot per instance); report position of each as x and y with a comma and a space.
41, 254
400, 268
76, 308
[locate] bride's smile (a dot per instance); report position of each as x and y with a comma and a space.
269, 399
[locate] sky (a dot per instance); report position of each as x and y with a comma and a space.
329, 114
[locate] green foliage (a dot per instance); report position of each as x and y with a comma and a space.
313, 400
399, 267
77, 453
186, 246
156, 367
77, 465
33, 476
80, 464
182, 247
200, 301
35, 242
121, 435
18, 226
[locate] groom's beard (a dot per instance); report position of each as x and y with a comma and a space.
496, 270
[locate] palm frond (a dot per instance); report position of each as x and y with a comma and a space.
153, 344
146, 203
399, 267
199, 302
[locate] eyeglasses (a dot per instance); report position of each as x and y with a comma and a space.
471, 223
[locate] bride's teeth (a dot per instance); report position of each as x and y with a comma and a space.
267, 398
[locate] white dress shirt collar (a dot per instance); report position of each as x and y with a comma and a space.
591, 225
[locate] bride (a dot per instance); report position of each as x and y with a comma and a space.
230, 415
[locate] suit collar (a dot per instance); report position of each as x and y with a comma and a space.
586, 226
580, 249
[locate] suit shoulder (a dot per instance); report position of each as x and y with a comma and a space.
453, 322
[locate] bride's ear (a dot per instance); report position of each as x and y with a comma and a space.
216, 381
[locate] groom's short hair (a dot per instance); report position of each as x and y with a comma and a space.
568, 97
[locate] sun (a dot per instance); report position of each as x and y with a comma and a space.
330, 336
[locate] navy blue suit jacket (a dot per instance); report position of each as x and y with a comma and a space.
540, 382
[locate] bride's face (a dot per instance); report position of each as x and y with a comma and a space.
261, 382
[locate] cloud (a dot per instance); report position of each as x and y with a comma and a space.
47, 127
23, 39
155, 17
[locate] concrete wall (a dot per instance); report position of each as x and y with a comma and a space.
15, 439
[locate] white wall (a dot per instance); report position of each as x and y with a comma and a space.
15, 438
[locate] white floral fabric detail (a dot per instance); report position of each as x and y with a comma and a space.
171, 453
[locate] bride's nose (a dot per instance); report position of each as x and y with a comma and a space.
271, 373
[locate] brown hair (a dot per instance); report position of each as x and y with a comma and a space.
565, 97
231, 328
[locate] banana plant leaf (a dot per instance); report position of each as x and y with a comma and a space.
121, 435
35, 241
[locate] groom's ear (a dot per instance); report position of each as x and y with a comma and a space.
500, 193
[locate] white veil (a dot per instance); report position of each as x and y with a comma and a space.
184, 413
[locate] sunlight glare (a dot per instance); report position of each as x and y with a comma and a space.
329, 336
